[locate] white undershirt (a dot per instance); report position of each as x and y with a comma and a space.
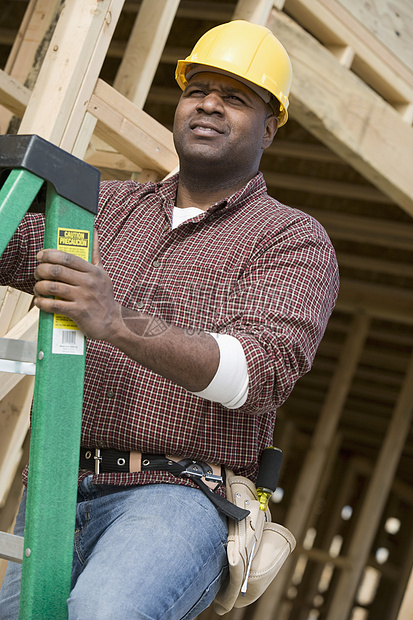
230, 383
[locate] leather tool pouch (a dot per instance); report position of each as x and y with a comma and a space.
257, 548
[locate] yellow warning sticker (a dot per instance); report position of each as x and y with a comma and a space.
67, 338
74, 242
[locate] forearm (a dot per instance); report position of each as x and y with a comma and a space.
187, 357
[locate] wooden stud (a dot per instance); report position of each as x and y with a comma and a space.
144, 49
403, 580
13, 307
70, 69
375, 499
405, 612
8, 512
315, 461
24, 58
14, 424
344, 54
14, 96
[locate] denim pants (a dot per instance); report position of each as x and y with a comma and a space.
146, 552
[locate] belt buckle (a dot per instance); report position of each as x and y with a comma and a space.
199, 469
98, 460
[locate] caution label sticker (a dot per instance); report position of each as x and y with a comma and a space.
67, 337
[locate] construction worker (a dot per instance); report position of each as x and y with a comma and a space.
205, 301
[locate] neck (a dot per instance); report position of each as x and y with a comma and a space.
193, 192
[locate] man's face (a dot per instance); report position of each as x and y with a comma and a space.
221, 121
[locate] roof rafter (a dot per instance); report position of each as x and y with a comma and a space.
348, 116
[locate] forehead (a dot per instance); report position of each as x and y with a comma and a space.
222, 82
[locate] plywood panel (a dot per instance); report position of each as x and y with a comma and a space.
390, 22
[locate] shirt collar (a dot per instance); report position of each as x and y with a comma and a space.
256, 186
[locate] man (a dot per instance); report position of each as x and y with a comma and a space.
205, 301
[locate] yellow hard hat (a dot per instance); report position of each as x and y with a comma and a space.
247, 51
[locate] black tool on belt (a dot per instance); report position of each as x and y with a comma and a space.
115, 461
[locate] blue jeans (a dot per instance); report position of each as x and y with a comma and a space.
144, 552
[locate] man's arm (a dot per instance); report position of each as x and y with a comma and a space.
85, 294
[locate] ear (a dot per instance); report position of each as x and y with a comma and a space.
271, 128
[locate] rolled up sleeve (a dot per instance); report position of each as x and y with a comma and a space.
279, 312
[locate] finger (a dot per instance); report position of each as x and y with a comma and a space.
51, 288
60, 273
57, 257
96, 260
54, 306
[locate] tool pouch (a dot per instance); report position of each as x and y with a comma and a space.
257, 548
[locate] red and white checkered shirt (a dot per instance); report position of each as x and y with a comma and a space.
248, 266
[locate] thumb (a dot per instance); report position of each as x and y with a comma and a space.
95, 252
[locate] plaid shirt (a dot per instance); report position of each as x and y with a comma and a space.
248, 266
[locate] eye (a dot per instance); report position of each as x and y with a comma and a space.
195, 92
236, 99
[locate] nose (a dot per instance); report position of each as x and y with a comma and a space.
211, 103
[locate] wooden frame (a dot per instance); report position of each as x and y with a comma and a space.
71, 107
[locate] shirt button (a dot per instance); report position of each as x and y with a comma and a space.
110, 393
139, 305
156, 264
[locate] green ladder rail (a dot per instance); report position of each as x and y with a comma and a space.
26, 163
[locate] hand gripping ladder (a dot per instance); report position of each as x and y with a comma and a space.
28, 162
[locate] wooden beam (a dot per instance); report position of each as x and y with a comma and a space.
69, 72
391, 23
370, 263
324, 186
14, 305
376, 64
317, 456
382, 302
354, 126
144, 49
255, 11
403, 577
357, 228
35, 23
131, 131
13, 96
26, 329
405, 612
214, 11
101, 158
14, 424
24, 58
11, 547
375, 500
302, 150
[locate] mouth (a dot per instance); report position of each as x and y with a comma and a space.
204, 128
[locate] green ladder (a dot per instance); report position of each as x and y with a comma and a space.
26, 163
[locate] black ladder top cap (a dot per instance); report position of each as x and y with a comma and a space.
71, 177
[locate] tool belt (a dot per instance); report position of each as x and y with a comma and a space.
257, 548
206, 476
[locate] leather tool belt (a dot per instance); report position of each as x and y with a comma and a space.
206, 476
